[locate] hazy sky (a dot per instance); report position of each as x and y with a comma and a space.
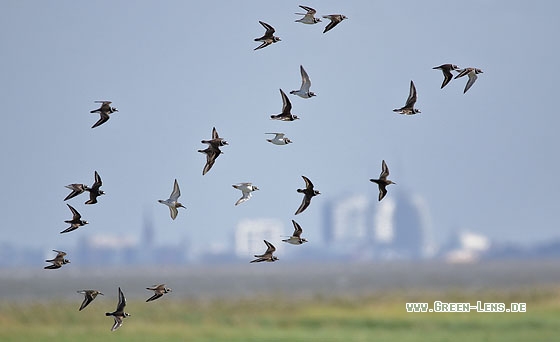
485, 161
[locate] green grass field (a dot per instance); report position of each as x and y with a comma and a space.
375, 317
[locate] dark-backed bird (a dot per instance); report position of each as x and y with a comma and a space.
213, 150
57, 261
118, 314
286, 114
89, 296
266, 256
382, 182
408, 108
94, 190
76, 221
104, 112
268, 37
447, 75
159, 290
308, 194
296, 238
335, 20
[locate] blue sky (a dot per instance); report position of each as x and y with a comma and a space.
486, 161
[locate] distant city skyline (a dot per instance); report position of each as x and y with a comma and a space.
354, 228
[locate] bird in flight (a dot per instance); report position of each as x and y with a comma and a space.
382, 182
118, 314
104, 112
266, 256
172, 202
268, 37
308, 194
408, 108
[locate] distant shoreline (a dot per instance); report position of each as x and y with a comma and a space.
303, 279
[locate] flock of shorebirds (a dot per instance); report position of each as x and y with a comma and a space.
213, 151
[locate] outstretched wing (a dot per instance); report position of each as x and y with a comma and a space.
215, 133
384, 170
269, 29
305, 81
470, 82
117, 324
122, 302
310, 11
154, 297
297, 229
270, 247
411, 100
75, 214
308, 183
88, 299
104, 116
76, 190
286, 104
304, 204
176, 192
245, 197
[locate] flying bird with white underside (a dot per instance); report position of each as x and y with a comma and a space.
303, 91
471, 72
172, 202
279, 139
309, 16
296, 238
246, 190
118, 314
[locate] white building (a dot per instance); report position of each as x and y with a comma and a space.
469, 247
250, 233
347, 220
402, 226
